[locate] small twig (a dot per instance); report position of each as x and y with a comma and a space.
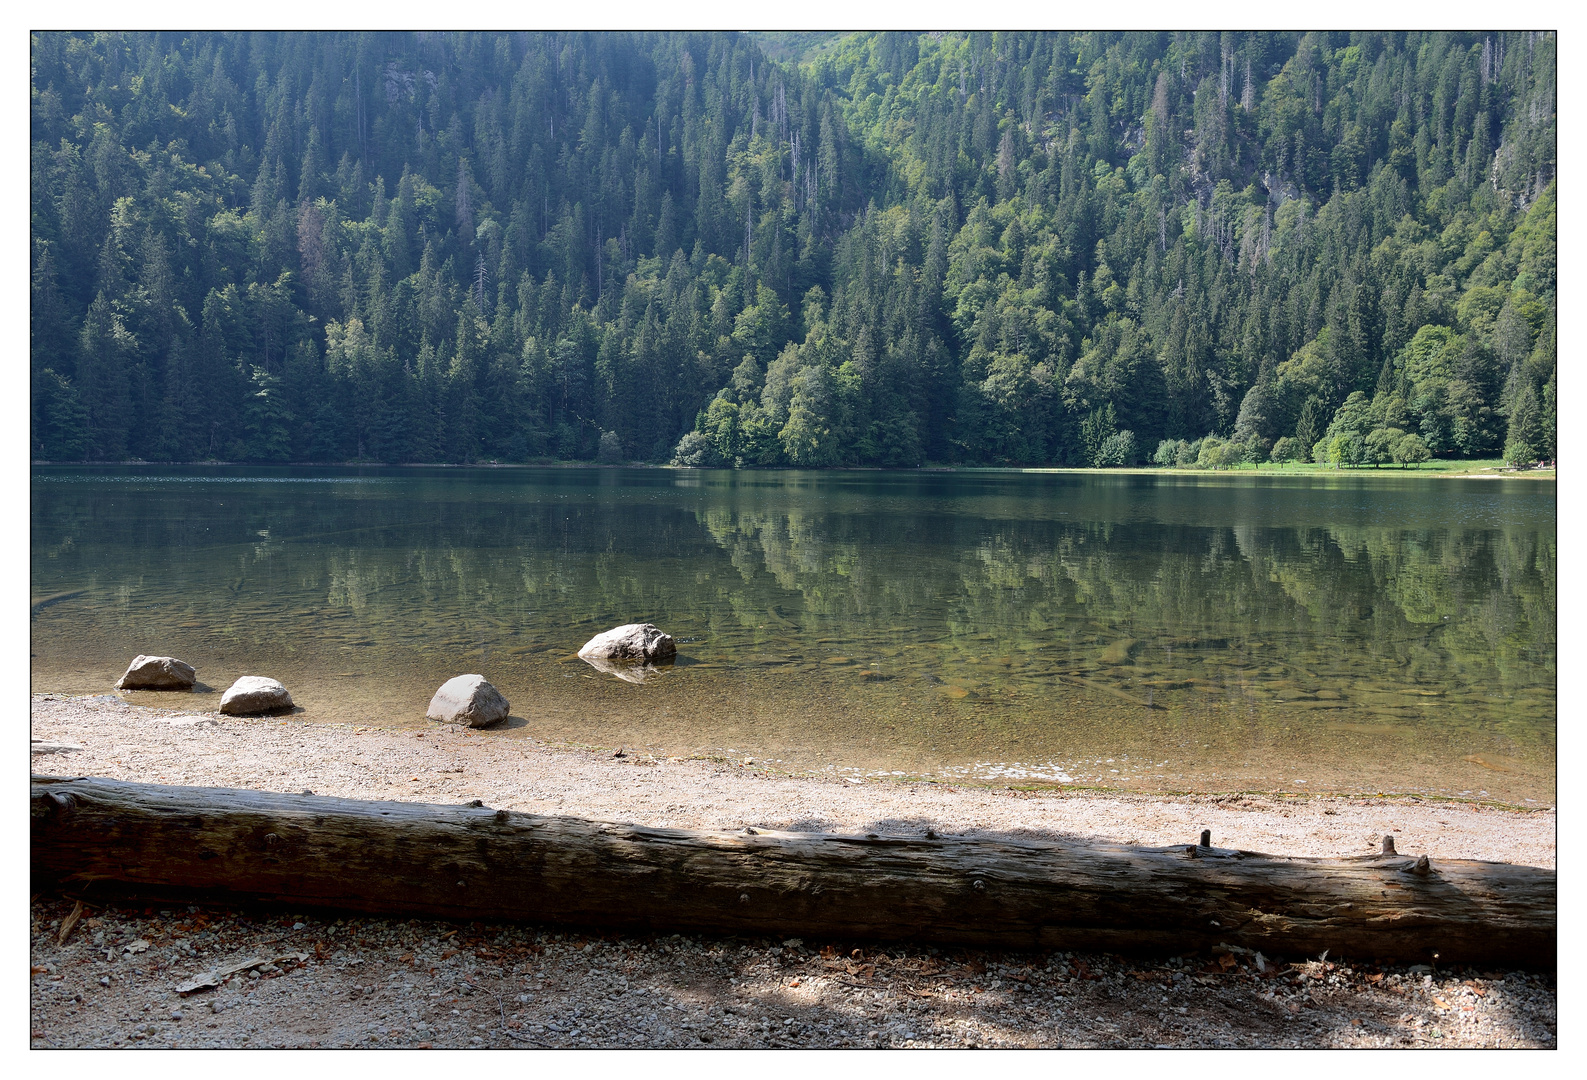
514, 1034
69, 923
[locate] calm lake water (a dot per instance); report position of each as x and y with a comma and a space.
1175, 632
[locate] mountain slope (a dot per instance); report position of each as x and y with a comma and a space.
892, 248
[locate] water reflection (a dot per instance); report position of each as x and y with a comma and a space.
631, 671
1160, 632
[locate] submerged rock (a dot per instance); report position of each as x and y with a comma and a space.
254, 694
468, 699
157, 673
633, 641
1120, 652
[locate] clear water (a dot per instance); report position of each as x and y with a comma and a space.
1179, 632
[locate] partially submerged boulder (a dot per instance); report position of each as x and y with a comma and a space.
254, 694
633, 641
157, 673
468, 699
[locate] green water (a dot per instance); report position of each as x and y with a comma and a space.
1207, 632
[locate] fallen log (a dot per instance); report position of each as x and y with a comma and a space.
106, 839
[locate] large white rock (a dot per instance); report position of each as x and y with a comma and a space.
254, 694
157, 673
633, 641
468, 699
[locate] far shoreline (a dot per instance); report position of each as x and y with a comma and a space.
1473, 470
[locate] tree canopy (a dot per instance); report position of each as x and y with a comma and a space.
875, 249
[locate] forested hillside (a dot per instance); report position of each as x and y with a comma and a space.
993, 248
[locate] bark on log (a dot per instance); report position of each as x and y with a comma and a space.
108, 839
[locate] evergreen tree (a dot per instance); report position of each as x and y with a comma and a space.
1000, 248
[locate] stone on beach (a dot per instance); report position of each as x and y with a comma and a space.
45, 746
470, 700
187, 721
157, 673
253, 694
632, 641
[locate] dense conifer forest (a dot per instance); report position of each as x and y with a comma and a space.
876, 249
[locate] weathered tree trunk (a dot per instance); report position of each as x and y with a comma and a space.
106, 838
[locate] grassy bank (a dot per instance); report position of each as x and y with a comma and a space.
1481, 469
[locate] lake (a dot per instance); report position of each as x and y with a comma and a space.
1175, 632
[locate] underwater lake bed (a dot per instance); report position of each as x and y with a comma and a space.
1359, 633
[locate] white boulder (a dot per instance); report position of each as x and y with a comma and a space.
468, 699
633, 641
254, 694
157, 673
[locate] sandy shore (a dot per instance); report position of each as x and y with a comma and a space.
85, 991
445, 764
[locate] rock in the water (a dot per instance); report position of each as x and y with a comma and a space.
157, 673
1119, 652
635, 641
468, 699
253, 694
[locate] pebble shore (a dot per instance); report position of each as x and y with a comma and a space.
427, 984
329, 980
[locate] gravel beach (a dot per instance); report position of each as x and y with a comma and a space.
108, 977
